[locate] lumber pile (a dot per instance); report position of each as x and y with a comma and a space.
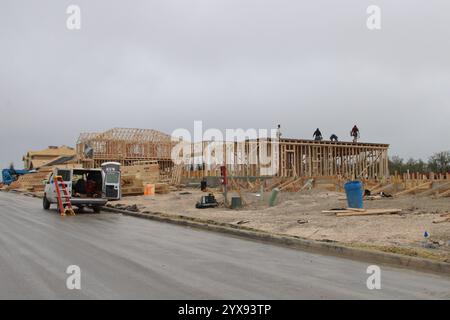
162, 188
135, 177
147, 173
361, 212
31, 181
131, 186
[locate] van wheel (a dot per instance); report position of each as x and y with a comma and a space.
97, 209
45, 203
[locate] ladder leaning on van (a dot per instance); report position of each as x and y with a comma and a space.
63, 196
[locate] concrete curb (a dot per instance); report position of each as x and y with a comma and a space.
327, 248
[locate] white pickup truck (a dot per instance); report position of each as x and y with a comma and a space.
85, 187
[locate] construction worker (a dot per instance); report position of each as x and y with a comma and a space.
355, 133
279, 132
317, 135
334, 137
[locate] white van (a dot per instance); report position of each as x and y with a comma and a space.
85, 187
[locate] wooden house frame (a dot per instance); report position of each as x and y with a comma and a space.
125, 145
293, 157
298, 158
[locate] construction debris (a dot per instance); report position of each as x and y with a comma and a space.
444, 218
135, 177
361, 212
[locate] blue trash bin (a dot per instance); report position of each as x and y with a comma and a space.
354, 192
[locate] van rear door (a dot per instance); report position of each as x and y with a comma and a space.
66, 175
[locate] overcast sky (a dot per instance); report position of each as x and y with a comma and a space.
162, 64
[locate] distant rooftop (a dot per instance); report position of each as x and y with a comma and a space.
127, 134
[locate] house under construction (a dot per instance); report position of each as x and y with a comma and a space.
294, 157
126, 146
326, 158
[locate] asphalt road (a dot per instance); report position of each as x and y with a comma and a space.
126, 257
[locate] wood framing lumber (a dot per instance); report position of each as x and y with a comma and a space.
285, 183
443, 194
277, 181
289, 184
444, 218
251, 186
368, 166
333, 211
308, 184
367, 212
344, 210
375, 187
435, 189
413, 189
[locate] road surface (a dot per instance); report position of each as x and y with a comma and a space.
125, 257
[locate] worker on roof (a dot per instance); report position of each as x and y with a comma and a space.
279, 132
334, 137
317, 135
355, 133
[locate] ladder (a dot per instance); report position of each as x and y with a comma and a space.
64, 204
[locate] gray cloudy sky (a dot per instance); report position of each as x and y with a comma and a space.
232, 63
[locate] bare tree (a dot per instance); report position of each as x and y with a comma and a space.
440, 162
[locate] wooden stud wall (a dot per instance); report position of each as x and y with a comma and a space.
300, 158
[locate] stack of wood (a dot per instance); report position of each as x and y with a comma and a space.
135, 177
162, 188
131, 186
32, 181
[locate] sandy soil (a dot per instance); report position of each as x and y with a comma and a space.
300, 214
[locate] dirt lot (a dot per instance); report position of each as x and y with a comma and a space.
300, 214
